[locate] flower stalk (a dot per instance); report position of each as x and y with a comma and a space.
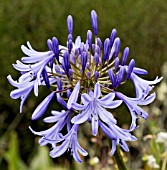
119, 160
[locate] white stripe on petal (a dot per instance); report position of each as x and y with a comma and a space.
97, 91
59, 150
107, 99
106, 116
86, 98
112, 104
77, 106
95, 124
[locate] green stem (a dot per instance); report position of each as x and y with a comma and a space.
118, 158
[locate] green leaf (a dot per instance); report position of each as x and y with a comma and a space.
42, 160
12, 156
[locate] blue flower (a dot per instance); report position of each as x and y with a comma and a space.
133, 105
53, 134
94, 107
141, 85
117, 135
22, 91
84, 77
69, 143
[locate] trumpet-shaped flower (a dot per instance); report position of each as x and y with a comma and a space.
53, 134
143, 86
94, 107
133, 105
70, 143
117, 135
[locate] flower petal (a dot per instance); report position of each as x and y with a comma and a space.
111, 104
15, 94
107, 98
95, 124
97, 91
105, 116
59, 150
124, 145
74, 95
23, 98
120, 133
80, 149
56, 117
86, 98
114, 143
39, 111
140, 71
148, 100
77, 106
76, 155
80, 118
108, 132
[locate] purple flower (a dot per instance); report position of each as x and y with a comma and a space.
117, 79
117, 135
22, 91
53, 134
133, 105
70, 143
141, 85
89, 37
33, 72
84, 77
93, 107
53, 45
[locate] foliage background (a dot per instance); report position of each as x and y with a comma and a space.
141, 25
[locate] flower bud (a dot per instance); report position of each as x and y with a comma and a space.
66, 62
116, 63
96, 59
96, 75
46, 79
89, 38
59, 83
125, 56
94, 22
70, 46
70, 24
130, 68
106, 49
112, 77
99, 43
84, 60
113, 36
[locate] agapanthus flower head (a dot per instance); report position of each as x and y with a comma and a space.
83, 77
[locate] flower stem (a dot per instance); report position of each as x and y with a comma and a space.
118, 158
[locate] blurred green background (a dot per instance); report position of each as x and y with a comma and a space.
141, 25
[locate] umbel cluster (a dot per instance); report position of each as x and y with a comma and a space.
83, 77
